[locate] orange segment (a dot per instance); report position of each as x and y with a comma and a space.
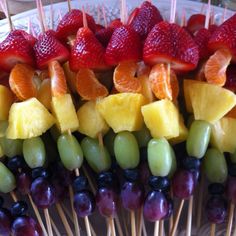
124, 78
22, 83
232, 113
88, 87
215, 68
58, 79
45, 94
164, 82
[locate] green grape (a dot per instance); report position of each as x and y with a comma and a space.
11, 147
7, 179
70, 151
97, 156
173, 163
198, 138
233, 157
34, 152
215, 166
159, 157
143, 136
3, 128
109, 141
126, 150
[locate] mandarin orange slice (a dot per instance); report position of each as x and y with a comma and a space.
215, 68
21, 82
124, 78
232, 113
88, 87
58, 79
164, 82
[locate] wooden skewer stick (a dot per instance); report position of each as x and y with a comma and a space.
51, 14
91, 184
133, 225
69, 5
213, 230
200, 200
156, 228
7, 13
112, 226
140, 221
48, 222
189, 218
144, 228
118, 225
13, 196
67, 212
208, 14
55, 227
176, 222
230, 220
161, 228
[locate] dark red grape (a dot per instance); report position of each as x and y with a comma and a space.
183, 184
231, 189
43, 193
132, 195
106, 200
25, 225
19, 208
216, 209
80, 183
155, 206
231, 78
23, 183
5, 222
84, 203
170, 208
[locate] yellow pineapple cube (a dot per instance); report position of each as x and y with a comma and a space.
122, 111
223, 135
187, 85
91, 123
6, 100
65, 113
28, 119
210, 102
162, 119
183, 132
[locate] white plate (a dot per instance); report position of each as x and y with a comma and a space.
21, 20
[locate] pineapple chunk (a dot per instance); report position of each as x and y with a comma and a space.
28, 119
91, 122
6, 100
122, 111
65, 113
183, 132
210, 102
162, 119
187, 85
223, 135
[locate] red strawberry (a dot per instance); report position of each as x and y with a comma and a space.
115, 23
104, 35
133, 14
124, 45
145, 18
49, 48
15, 49
231, 78
99, 27
30, 38
201, 39
225, 37
87, 51
213, 28
170, 43
71, 22
196, 22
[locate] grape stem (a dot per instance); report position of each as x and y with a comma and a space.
230, 220
189, 218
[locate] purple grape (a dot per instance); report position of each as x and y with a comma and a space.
183, 184
84, 203
25, 225
106, 200
231, 189
170, 208
216, 209
23, 183
43, 193
155, 206
5, 222
132, 195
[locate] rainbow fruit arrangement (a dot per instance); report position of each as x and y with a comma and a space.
141, 105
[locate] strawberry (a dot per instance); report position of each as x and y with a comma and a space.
201, 39
225, 37
30, 38
196, 22
124, 45
145, 18
104, 35
87, 51
15, 49
49, 48
99, 27
71, 22
115, 23
170, 43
